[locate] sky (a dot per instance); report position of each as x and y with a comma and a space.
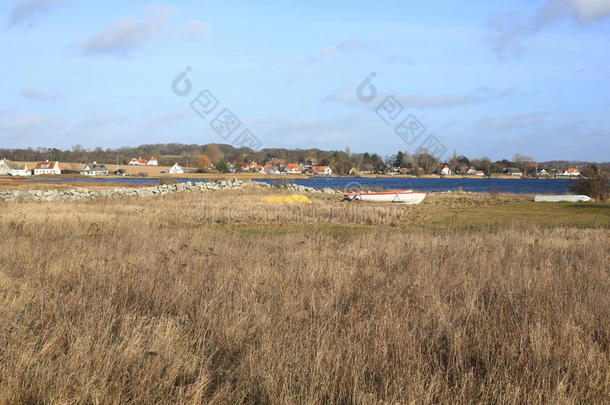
484, 79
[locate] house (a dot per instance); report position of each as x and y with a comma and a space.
321, 171
47, 168
13, 169
543, 172
176, 169
471, 171
241, 166
513, 171
480, 173
571, 172
270, 169
366, 168
446, 171
311, 161
280, 162
138, 162
255, 166
152, 162
94, 169
294, 168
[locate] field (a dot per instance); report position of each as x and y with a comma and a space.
218, 298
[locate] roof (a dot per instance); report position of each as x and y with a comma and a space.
572, 170
319, 168
96, 167
241, 164
15, 166
293, 166
139, 160
47, 165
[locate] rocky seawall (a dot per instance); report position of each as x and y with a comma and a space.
84, 194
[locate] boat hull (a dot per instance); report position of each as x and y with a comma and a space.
403, 197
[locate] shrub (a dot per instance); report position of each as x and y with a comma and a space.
595, 184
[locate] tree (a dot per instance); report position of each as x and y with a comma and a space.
214, 152
399, 159
203, 162
427, 162
463, 160
524, 163
223, 167
348, 151
595, 184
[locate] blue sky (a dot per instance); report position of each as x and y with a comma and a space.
485, 78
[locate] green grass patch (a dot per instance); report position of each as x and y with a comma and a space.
523, 214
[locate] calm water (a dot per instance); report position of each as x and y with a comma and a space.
549, 186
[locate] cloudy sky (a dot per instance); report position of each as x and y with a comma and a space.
485, 78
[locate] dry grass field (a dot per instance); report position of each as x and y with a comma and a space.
217, 298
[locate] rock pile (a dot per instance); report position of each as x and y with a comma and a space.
83, 194
304, 189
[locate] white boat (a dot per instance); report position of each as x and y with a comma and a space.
393, 196
561, 198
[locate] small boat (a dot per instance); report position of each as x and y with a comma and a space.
561, 198
393, 196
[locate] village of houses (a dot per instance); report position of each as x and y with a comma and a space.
275, 166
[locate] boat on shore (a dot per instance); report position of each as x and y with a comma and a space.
392, 196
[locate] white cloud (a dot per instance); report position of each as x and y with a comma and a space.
170, 118
195, 29
24, 10
511, 122
123, 36
348, 95
31, 122
309, 71
41, 96
591, 10
510, 30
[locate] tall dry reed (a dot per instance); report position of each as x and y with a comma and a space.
129, 302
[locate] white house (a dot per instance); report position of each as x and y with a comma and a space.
4, 168
137, 162
152, 162
445, 171
270, 169
47, 168
570, 172
175, 169
471, 171
294, 168
321, 170
94, 169
13, 169
513, 171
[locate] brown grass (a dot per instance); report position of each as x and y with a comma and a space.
141, 301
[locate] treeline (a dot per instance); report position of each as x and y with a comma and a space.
342, 162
